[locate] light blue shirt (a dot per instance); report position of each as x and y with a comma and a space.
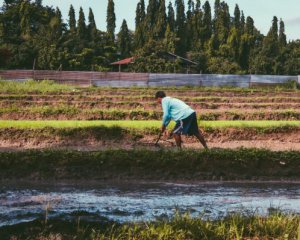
174, 109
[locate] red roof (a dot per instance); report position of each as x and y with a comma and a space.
124, 61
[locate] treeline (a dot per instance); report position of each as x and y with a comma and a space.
33, 34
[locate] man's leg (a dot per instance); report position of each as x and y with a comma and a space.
201, 139
177, 138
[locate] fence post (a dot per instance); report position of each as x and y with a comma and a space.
33, 69
299, 79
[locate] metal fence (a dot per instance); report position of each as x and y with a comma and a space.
122, 79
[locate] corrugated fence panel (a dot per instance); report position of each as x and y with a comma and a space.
18, 75
122, 83
122, 79
159, 80
257, 80
217, 80
112, 79
207, 80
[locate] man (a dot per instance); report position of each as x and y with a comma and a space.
182, 114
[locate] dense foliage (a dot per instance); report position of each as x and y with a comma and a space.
34, 34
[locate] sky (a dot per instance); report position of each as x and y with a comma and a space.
262, 11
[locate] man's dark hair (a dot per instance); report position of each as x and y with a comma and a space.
160, 94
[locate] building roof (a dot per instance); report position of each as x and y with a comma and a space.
167, 54
123, 61
182, 58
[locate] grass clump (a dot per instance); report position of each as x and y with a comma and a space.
236, 226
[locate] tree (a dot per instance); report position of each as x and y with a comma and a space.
111, 21
81, 26
25, 19
207, 21
222, 22
161, 21
234, 42
237, 18
150, 59
139, 36
57, 23
124, 40
222, 66
193, 24
243, 23
274, 29
72, 19
140, 14
194, 29
249, 29
267, 59
171, 17
169, 40
282, 36
244, 51
151, 17
92, 28
180, 27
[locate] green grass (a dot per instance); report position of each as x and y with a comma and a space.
237, 226
143, 124
31, 86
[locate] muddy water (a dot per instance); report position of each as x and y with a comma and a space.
142, 201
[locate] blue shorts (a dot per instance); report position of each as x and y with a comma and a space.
187, 126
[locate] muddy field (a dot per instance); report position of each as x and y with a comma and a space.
91, 140
139, 104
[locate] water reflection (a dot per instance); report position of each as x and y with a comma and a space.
144, 201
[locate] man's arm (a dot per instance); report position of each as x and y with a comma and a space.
166, 117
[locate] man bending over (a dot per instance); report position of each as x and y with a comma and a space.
184, 116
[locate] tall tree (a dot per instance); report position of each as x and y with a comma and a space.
249, 29
282, 36
92, 28
111, 21
222, 22
25, 19
195, 38
124, 40
237, 17
274, 29
57, 25
243, 23
180, 27
161, 21
191, 8
81, 25
193, 24
140, 14
72, 19
139, 36
207, 21
171, 17
151, 17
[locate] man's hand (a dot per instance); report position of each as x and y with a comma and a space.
163, 129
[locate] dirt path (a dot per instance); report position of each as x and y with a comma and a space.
148, 143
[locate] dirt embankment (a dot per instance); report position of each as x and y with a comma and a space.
215, 164
91, 139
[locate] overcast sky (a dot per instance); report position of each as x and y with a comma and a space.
262, 11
